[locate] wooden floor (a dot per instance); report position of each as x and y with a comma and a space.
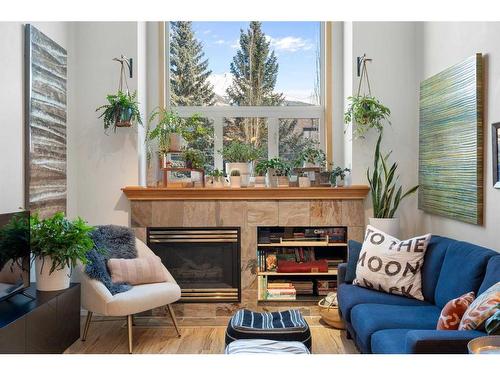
110, 336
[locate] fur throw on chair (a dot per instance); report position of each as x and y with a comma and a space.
111, 241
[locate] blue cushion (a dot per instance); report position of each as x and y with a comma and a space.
389, 341
492, 275
433, 260
353, 250
351, 295
370, 318
463, 271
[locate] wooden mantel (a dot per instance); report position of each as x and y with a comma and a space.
139, 193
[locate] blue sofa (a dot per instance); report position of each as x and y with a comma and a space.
391, 324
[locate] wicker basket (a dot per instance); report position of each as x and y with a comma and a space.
330, 314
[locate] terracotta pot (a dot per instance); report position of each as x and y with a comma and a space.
57, 280
283, 181
260, 181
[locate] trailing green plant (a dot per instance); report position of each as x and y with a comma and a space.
338, 172
239, 152
14, 239
122, 108
365, 112
280, 167
216, 173
386, 195
235, 173
194, 158
261, 167
311, 154
66, 242
169, 122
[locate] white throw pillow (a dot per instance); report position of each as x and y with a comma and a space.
390, 265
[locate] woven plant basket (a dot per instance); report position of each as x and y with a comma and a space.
329, 311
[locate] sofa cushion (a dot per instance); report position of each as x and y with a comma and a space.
463, 271
351, 295
492, 275
452, 312
433, 261
484, 306
353, 250
370, 318
389, 341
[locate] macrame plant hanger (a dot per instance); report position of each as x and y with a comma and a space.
363, 74
123, 78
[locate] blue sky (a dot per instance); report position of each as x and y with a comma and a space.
295, 44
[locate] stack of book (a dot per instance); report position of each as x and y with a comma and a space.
280, 291
304, 287
323, 287
333, 264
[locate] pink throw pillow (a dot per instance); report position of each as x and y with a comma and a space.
147, 270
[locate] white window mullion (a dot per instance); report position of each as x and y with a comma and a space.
273, 137
218, 142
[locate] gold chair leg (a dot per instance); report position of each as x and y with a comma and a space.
129, 326
87, 325
174, 320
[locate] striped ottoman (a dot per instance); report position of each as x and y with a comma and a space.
266, 347
286, 325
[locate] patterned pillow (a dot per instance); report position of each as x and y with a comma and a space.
484, 306
452, 312
392, 266
138, 271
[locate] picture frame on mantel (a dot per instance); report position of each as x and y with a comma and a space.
495, 136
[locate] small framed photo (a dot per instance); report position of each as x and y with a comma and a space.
495, 135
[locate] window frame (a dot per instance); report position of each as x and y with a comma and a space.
273, 114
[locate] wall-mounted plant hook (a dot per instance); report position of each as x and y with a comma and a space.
362, 60
127, 61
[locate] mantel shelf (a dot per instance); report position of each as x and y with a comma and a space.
139, 193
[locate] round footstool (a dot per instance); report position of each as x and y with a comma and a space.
266, 347
286, 325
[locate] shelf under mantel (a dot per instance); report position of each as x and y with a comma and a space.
140, 193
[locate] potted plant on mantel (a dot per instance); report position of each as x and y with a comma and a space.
311, 156
235, 178
122, 110
338, 175
278, 172
216, 177
58, 244
239, 155
194, 159
386, 195
260, 171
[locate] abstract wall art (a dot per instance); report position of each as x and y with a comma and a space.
45, 114
495, 135
451, 142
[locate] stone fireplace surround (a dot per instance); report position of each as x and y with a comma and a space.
248, 214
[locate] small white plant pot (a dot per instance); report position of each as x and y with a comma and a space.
304, 182
242, 167
260, 181
283, 181
235, 181
340, 182
57, 280
389, 226
175, 142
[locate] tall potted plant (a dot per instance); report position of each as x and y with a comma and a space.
239, 155
278, 172
122, 110
386, 193
58, 244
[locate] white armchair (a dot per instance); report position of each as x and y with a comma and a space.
96, 298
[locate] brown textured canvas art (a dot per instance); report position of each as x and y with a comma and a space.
46, 65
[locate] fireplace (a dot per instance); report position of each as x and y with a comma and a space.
205, 262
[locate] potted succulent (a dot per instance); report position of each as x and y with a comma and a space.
194, 159
235, 178
386, 195
338, 175
311, 156
172, 131
239, 155
122, 110
304, 180
260, 171
278, 171
58, 245
365, 112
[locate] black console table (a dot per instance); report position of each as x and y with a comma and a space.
49, 323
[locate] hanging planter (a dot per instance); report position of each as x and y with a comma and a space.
122, 109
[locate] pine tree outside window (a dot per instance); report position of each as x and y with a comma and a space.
256, 82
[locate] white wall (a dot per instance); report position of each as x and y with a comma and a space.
440, 45
12, 109
105, 163
392, 75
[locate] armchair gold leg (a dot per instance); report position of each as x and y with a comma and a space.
87, 325
129, 327
174, 320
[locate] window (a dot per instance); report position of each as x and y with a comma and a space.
257, 82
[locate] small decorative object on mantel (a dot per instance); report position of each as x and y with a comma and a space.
260, 172
338, 175
239, 155
495, 135
278, 171
235, 178
122, 109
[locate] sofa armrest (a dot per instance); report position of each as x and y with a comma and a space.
342, 269
439, 342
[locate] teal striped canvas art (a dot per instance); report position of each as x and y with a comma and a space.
451, 142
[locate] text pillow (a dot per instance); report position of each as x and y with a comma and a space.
484, 306
390, 265
452, 312
137, 271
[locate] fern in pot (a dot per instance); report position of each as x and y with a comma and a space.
58, 245
386, 192
122, 110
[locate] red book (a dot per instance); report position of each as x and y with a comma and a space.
287, 266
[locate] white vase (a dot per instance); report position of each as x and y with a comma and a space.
389, 226
57, 280
244, 169
339, 182
260, 181
235, 181
175, 142
304, 182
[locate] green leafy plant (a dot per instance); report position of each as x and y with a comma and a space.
217, 173
239, 152
338, 172
261, 167
169, 122
122, 110
366, 112
386, 195
235, 173
194, 158
14, 239
66, 242
311, 154
280, 167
